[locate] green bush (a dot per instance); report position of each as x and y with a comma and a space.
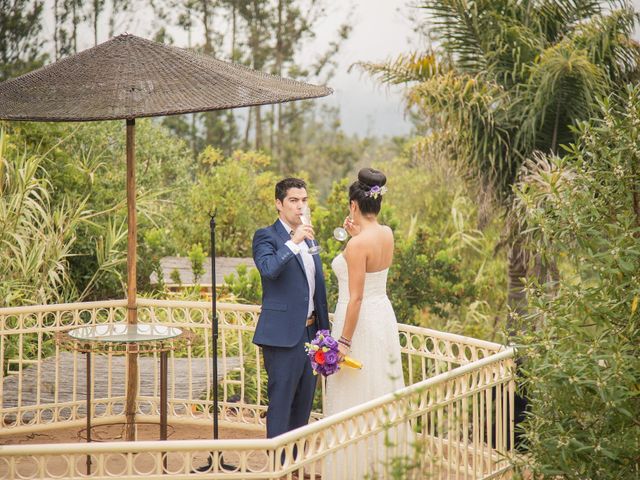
196, 257
426, 275
582, 365
447, 272
37, 236
244, 286
239, 189
86, 163
325, 219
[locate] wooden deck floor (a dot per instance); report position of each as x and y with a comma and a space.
73, 380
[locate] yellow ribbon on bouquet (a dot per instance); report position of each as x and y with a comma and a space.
351, 362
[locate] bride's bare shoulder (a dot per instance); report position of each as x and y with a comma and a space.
387, 232
355, 243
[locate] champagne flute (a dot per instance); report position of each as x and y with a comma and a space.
340, 234
314, 249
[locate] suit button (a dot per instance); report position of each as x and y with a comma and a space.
306, 298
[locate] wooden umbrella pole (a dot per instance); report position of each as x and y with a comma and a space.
132, 313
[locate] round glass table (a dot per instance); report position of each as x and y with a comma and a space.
121, 338
118, 333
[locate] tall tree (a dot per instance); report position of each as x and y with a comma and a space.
270, 35
507, 78
219, 127
256, 15
74, 12
192, 16
20, 40
97, 7
266, 35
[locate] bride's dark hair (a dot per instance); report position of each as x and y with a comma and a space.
367, 190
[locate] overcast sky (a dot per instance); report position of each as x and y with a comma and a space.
381, 30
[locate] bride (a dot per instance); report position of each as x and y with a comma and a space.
365, 324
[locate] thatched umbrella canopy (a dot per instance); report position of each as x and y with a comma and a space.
128, 77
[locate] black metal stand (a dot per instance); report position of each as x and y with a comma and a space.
214, 346
163, 405
214, 327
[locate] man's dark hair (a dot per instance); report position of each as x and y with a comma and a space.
283, 186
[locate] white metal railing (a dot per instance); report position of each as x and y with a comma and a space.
458, 403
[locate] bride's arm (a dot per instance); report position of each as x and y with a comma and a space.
356, 259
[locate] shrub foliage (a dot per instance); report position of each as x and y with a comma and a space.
582, 364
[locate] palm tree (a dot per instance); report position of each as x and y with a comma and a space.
505, 78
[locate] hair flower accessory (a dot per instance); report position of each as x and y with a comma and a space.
376, 190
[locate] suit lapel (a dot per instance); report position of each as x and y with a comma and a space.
285, 236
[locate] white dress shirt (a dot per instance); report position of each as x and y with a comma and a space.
302, 249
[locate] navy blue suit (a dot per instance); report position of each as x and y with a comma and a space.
281, 329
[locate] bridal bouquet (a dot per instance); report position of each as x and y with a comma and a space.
323, 354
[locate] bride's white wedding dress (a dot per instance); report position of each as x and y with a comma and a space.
376, 344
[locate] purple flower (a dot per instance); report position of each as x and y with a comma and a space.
331, 343
331, 357
327, 346
376, 190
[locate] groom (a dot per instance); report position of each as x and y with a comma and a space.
294, 307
